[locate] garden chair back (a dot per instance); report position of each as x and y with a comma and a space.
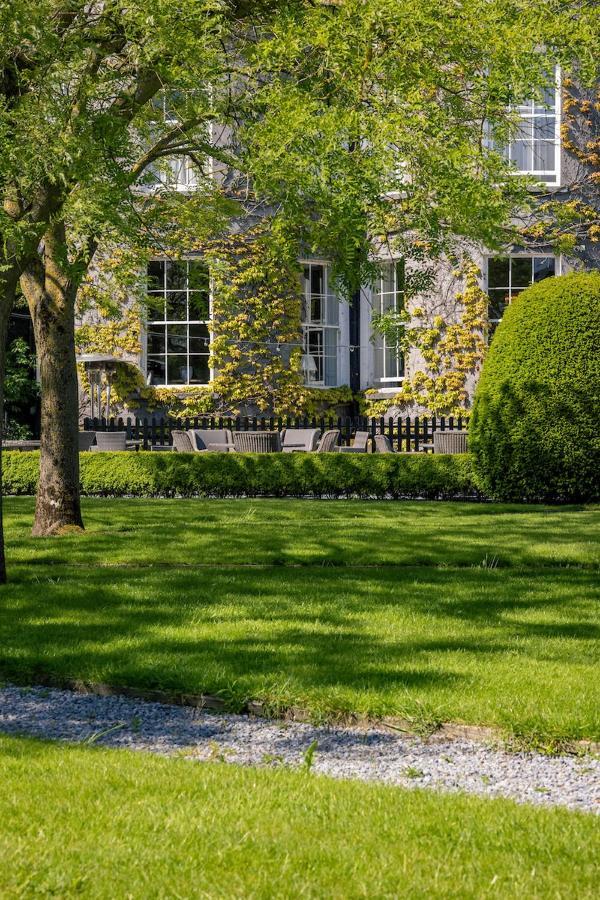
182, 442
86, 439
111, 440
383, 444
300, 439
450, 442
329, 441
360, 443
216, 439
256, 441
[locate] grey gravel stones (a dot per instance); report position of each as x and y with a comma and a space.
368, 755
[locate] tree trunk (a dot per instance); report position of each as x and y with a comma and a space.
8, 284
3, 332
51, 297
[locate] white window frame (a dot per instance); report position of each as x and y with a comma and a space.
510, 287
531, 116
319, 326
380, 348
156, 322
177, 173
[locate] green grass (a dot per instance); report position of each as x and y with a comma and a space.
483, 614
87, 822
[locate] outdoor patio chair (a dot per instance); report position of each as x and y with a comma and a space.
329, 441
218, 440
450, 442
257, 441
383, 444
359, 445
86, 439
182, 442
110, 441
300, 440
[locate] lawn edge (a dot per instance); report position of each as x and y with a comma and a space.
434, 732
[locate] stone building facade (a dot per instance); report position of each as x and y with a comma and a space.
340, 346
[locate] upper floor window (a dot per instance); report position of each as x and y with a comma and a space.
534, 148
507, 276
174, 172
388, 296
178, 336
320, 327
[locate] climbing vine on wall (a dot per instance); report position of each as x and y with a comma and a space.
256, 345
451, 351
110, 309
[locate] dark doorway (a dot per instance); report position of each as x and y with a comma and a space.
22, 405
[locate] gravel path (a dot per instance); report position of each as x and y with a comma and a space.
370, 755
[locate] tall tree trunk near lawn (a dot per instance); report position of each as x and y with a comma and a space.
8, 285
51, 293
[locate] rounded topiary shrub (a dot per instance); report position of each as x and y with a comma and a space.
535, 426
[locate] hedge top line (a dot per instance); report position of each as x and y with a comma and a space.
377, 476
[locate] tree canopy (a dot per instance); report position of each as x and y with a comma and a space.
353, 123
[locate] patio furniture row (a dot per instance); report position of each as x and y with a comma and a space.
290, 440
296, 440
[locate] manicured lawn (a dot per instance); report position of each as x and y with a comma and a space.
103, 824
435, 611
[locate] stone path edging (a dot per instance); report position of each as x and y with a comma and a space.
443, 732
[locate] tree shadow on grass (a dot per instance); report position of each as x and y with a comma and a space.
313, 533
325, 635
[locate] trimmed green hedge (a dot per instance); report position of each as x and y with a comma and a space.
535, 426
253, 475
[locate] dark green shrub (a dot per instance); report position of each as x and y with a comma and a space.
244, 474
535, 427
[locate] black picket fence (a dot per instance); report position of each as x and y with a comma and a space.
406, 434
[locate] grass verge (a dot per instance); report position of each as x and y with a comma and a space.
97, 823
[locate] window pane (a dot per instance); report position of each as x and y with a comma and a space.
498, 271
176, 305
156, 275
330, 371
156, 369
176, 275
156, 339
177, 369
198, 276
317, 280
521, 271
543, 267
316, 304
199, 370
544, 156
330, 374
199, 338
315, 342
544, 128
332, 310
520, 155
391, 362
199, 306
498, 303
176, 338
156, 306
379, 357
388, 284
400, 275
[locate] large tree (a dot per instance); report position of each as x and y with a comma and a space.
358, 120
94, 95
